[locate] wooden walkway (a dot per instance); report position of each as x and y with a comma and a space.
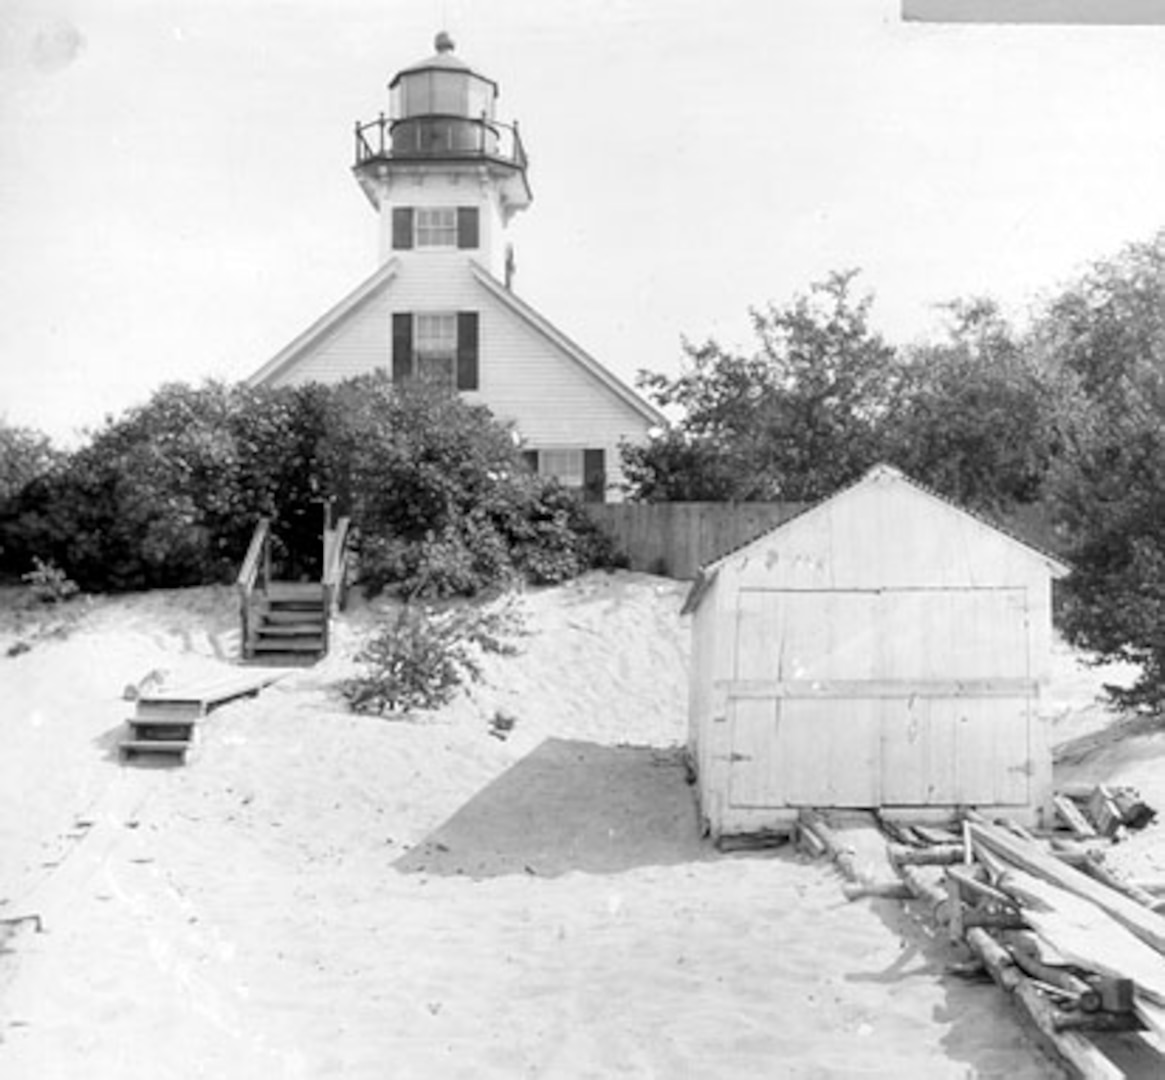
165, 721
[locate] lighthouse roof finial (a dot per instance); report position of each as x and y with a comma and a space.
443, 43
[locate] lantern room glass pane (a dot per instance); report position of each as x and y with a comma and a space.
450, 92
480, 98
428, 92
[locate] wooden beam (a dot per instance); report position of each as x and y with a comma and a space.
1071, 816
825, 689
1139, 920
935, 855
1076, 1050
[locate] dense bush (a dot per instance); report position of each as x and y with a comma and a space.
169, 494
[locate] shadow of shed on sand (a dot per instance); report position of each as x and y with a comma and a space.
571, 805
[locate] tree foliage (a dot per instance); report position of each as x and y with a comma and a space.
25, 455
168, 494
976, 416
793, 420
1107, 330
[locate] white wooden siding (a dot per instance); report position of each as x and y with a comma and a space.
447, 189
358, 345
525, 379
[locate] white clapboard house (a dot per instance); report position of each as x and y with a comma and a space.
445, 179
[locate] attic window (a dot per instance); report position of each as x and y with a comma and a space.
436, 226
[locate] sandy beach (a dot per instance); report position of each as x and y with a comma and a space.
322, 894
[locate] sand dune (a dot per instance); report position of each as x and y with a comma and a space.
321, 894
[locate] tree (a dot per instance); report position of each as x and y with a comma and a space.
976, 417
25, 455
794, 420
1107, 330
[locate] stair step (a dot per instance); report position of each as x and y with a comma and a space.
293, 591
159, 730
129, 747
285, 659
294, 615
289, 645
169, 712
280, 630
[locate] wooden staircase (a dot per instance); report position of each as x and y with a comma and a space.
291, 624
287, 623
166, 721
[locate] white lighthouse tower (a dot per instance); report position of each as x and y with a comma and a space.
440, 169
445, 178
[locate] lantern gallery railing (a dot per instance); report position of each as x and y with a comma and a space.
438, 136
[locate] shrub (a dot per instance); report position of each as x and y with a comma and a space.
49, 584
421, 658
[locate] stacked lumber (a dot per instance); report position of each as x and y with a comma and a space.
1080, 950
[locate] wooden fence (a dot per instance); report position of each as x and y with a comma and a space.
676, 539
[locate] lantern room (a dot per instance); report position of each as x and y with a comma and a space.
441, 117
440, 106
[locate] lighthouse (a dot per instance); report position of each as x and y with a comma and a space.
445, 178
441, 171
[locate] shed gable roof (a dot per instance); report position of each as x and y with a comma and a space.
879, 475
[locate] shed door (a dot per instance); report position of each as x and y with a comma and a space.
891, 697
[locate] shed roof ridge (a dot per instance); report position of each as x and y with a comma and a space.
885, 470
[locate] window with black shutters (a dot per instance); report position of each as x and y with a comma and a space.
436, 345
436, 227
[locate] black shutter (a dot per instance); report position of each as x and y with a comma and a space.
402, 346
467, 350
530, 457
467, 230
402, 228
595, 475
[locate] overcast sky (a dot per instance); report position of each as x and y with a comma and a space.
176, 199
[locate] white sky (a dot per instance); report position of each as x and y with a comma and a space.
176, 201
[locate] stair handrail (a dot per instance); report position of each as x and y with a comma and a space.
335, 577
256, 563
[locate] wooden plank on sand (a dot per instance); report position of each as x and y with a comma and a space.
1139, 920
1071, 1046
1088, 938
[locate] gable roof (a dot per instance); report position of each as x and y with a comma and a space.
318, 330
288, 356
878, 474
575, 352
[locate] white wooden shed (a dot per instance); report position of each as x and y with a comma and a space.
884, 649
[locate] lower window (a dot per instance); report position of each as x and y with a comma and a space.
565, 465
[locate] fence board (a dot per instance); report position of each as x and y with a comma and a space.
676, 539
